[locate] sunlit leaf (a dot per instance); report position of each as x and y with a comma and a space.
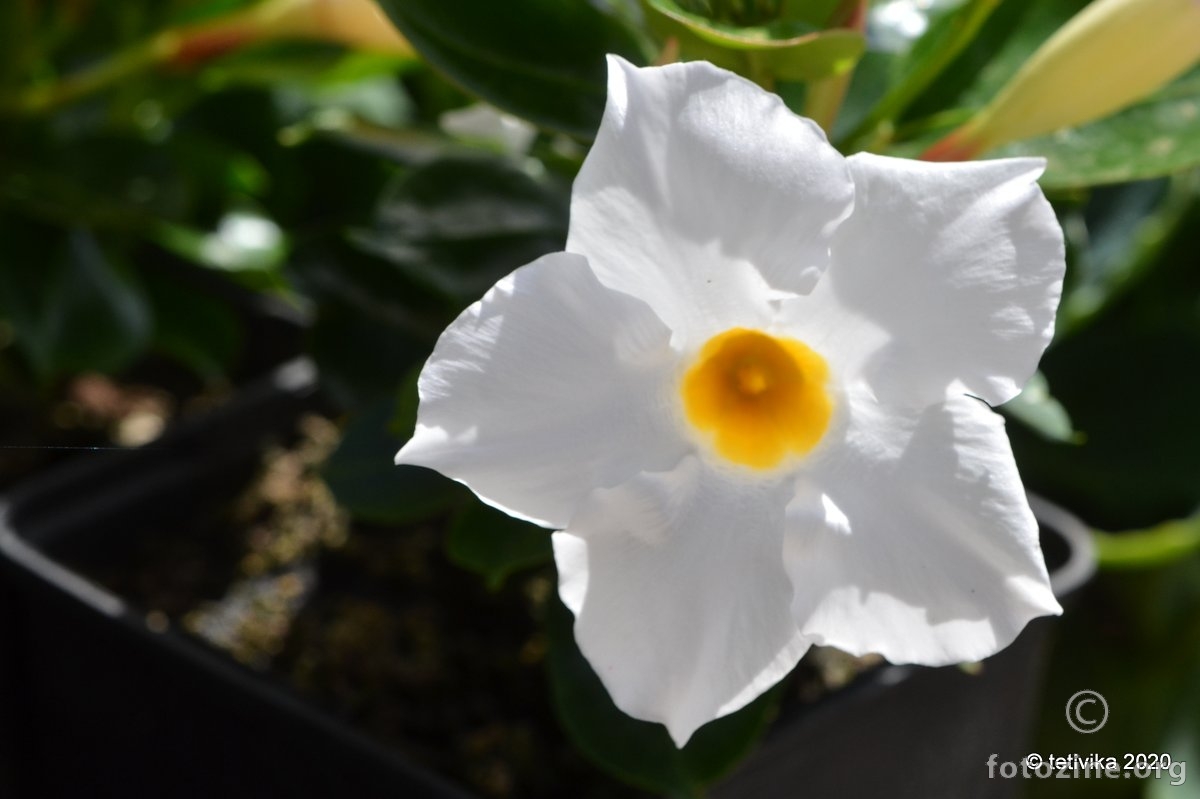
1038, 410
785, 50
1149, 140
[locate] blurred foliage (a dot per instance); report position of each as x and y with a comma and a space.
149, 204
540, 59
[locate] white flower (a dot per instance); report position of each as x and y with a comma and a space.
747, 396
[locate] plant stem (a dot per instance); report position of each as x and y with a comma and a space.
183, 46
42, 98
1154, 546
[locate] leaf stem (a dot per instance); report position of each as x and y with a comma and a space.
1153, 546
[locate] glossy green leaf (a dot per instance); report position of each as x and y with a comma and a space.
784, 50
493, 544
71, 309
542, 60
364, 478
1155, 138
458, 225
640, 752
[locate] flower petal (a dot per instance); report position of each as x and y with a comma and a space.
548, 387
922, 547
679, 593
702, 191
945, 272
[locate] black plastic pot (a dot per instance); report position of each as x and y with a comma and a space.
94, 702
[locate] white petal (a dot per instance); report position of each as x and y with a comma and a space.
939, 562
702, 191
548, 387
944, 273
680, 598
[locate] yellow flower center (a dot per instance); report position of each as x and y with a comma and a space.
760, 397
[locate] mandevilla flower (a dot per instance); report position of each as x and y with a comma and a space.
751, 396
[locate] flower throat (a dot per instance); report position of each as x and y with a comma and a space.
761, 398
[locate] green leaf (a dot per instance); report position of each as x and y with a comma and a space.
1039, 411
456, 226
364, 478
72, 310
812, 12
493, 544
198, 330
538, 59
1149, 140
372, 325
785, 50
640, 752
1114, 242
